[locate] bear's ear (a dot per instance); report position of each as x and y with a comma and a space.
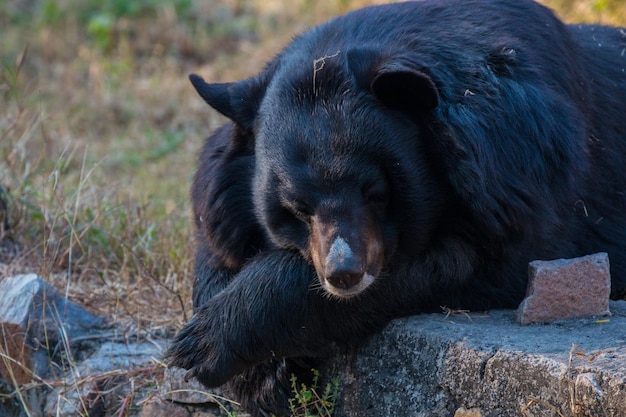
239, 101
397, 82
404, 88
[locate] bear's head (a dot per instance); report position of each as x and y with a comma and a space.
340, 174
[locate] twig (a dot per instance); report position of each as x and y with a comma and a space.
318, 65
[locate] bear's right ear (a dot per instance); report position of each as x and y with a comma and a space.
395, 81
239, 101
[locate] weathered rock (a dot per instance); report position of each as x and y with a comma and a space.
176, 388
158, 407
37, 323
427, 365
464, 412
433, 366
202, 401
566, 288
118, 355
9, 406
105, 371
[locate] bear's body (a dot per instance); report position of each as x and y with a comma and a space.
394, 160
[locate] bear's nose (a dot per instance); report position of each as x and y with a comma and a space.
345, 279
342, 270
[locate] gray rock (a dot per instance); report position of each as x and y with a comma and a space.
83, 388
158, 407
37, 322
9, 405
433, 365
202, 401
566, 288
176, 388
117, 355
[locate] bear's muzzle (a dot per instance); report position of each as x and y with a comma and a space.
346, 252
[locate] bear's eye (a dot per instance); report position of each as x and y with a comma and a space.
376, 194
301, 209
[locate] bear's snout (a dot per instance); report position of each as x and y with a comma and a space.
343, 268
346, 254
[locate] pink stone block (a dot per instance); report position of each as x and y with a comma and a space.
566, 288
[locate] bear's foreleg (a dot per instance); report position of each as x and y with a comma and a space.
255, 318
273, 309
209, 280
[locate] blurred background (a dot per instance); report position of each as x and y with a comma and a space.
99, 133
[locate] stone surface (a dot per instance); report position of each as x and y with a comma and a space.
202, 401
9, 406
118, 355
433, 365
566, 288
81, 390
464, 412
464, 365
176, 388
158, 407
35, 319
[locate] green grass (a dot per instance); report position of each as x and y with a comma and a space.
311, 400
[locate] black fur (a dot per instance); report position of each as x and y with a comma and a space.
445, 143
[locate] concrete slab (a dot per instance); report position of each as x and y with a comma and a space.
438, 365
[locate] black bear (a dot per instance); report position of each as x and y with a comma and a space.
394, 160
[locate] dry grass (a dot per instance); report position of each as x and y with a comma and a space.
99, 134
607, 12
99, 131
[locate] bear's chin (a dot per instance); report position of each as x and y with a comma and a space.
351, 292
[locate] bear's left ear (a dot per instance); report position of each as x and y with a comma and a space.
396, 82
239, 101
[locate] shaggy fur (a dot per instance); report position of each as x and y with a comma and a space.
391, 161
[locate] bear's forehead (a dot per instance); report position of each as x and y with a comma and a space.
323, 177
350, 125
328, 112
316, 159
321, 139
322, 120
313, 76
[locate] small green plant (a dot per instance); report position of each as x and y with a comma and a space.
309, 402
101, 26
